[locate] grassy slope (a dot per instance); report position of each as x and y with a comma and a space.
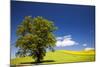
61, 56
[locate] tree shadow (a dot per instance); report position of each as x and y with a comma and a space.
35, 63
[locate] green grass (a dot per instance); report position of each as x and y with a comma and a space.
60, 56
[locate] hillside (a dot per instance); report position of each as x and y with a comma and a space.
59, 56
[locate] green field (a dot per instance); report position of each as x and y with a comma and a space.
59, 56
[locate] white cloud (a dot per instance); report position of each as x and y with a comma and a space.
65, 41
84, 44
59, 38
88, 48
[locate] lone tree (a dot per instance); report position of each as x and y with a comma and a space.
35, 36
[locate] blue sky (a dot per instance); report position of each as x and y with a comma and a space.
76, 23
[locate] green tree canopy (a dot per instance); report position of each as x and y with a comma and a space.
35, 35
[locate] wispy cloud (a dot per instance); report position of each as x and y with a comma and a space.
84, 44
65, 41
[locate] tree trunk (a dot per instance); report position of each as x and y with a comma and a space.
38, 60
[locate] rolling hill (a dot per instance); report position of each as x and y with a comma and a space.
59, 56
